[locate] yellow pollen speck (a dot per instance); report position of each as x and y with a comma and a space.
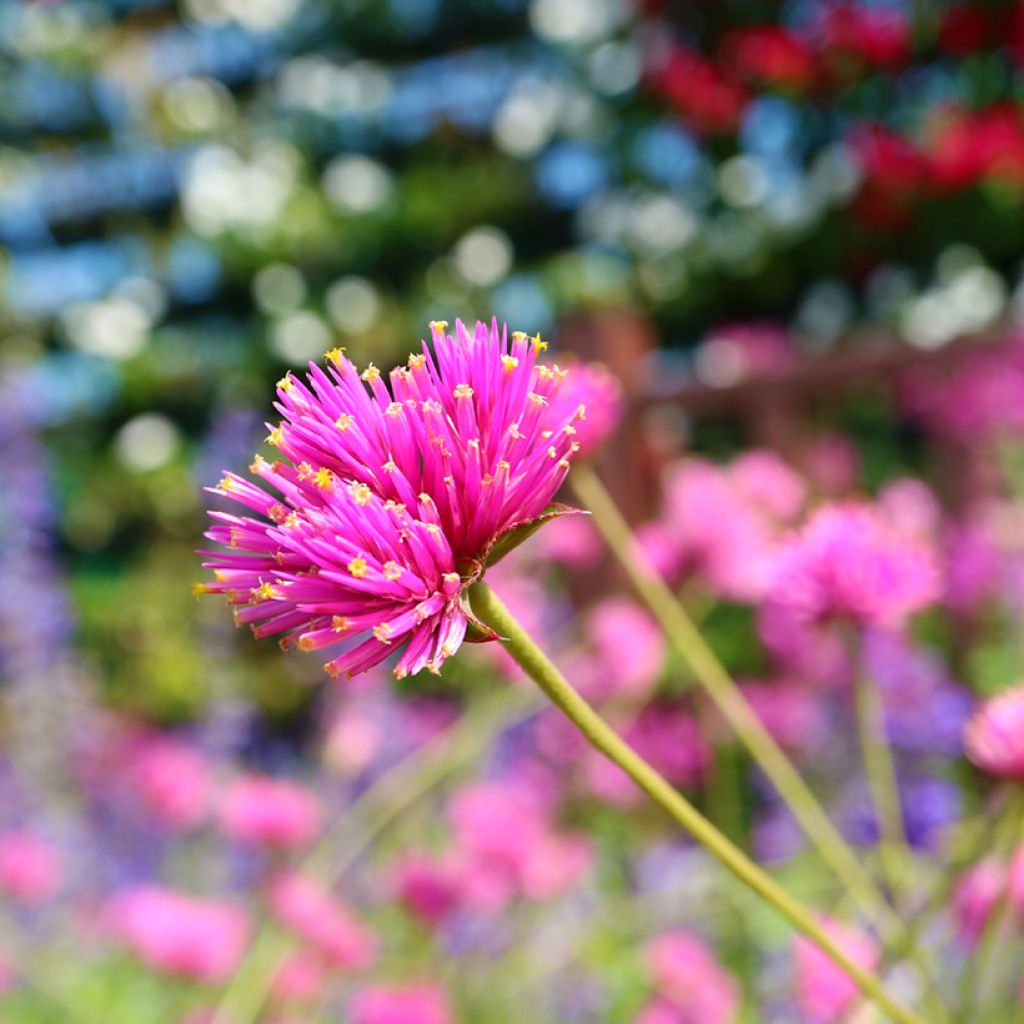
581, 412
292, 520
361, 493
332, 670
226, 483
305, 470
463, 391
552, 452
536, 399
439, 325
286, 383
452, 577
504, 465
371, 373
275, 437
306, 644
509, 363
515, 431
258, 465
392, 571
199, 588
358, 567
341, 624
474, 443
344, 421
278, 513
433, 529
417, 361
570, 431
546, 434
323, 479
563, 463
382, 633
265, 592
234, 536
395, 409
519, 335
426, 499
390, 466
219, 575
335, 355
538, 344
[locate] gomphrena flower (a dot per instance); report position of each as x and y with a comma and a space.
391, 497
994, 737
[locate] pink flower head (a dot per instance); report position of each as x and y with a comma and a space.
994, 736
630, 647
976, 896
179, 935
690, 981
353, 741
430, 887
301, 976
391, 496
270, 812
739, 352
30, 871
850, 562
173, 782
791, 713
823, 990
408, 1004
765, 480
310, 911
593, 387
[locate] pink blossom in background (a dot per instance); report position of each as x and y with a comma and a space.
428, 885
390, 491
849, 562
314, 914
994, 736
557, 863
973, 566
975, 897
270, 812
353, 740
629, 646
791, 713
571, 541
668, 738
180, 935
801, 650
911, 508
717, 535
769, 483
30, 870
400, 1004
737, 352
691, 986
300, 977
173, 782
596, 389
832, 465
823, 991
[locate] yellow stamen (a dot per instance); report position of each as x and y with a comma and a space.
199, 588
395, 409
226, 484
286, 383
538, 344
258, 465
382, 633
323, 478
306, 644
439, 326
392, 571
370, 374
341, 624
305, 470
417, 361
358, 567
278, 513
361, 493
275, 437
537, 399
335, 355
344, 421
462, 391
509, 363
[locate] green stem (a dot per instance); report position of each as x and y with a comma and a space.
536, 664
881, 775
719, 686
390, 795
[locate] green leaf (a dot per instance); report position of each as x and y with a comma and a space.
518, 532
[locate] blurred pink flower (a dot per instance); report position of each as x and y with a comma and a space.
30, 870
598, 391
270, 812
768, 483
849, 562
973, 564
408, 1004
911, 508
832, 464
628, 644
823, 990
668, 738
572, 541
353, 740
994, 736
429, 886
173, 781
180, 935
975, 897
315, 915
301, 976
791, 713
691, 986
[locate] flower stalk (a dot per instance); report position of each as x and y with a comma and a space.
490, 609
